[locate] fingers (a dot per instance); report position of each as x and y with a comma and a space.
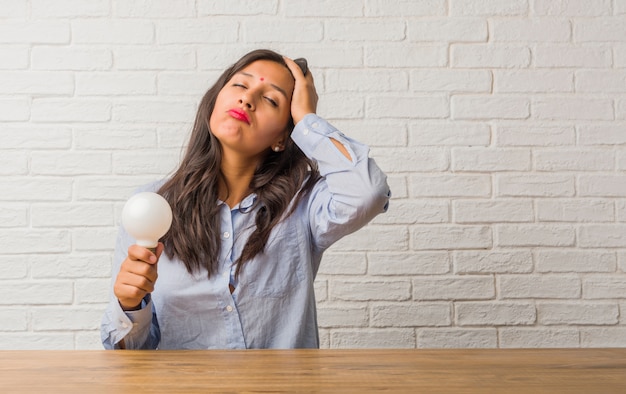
137, 276
304, 98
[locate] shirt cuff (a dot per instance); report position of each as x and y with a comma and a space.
312, 135
132, 326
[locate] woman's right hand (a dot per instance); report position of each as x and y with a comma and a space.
137, 276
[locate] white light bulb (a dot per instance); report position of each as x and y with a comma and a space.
147, 216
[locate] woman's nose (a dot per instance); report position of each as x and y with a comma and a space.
247, 101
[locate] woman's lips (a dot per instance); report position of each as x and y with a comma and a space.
239, 115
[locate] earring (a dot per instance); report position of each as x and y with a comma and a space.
277, 148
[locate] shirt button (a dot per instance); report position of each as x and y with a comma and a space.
124, 325
226, 234
305, 131
229, 308
315, 125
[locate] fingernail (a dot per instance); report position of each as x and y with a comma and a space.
153, 259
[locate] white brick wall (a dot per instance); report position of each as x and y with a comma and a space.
501, 125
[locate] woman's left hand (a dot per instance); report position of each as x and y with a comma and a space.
304, 99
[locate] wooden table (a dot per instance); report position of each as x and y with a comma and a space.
359, 371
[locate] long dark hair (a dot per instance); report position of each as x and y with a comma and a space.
192, 190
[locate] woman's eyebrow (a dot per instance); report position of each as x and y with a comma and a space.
281, 90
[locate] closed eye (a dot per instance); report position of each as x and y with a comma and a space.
272, 102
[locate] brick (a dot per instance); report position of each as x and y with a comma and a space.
13, 320
70, 215
13, 267
196, 31
342, 316
354, 30
330, 55
503, 211
530, 30
336, 105
193, 84
377, 238
488, 8
87, 340
572, 56
399, 186
218, 57
498, 262
406, 55
547, 185
450, 186
70, 163
71, 58
37, 341
108, 188
571, 7
448, 29
13, 163
490, 159
494, 313
602, 236
113, 138
529, 235
375, 133
415, 211
370, 290
539, 286
570, 108
69, 8
35, 189
260, 30
13, 216
39, 32
449, 134
599, 287
154, 110
573, 160
533, 81
602, 185
619, 7
425, 107
523, 337
147, 58
490, 107
414, 263
411, 159
70, 110
605, 337
405, 8
451, 80
621, 160
411, 315
159, 9
601, 81
599, 29
574, 261
323, 8
529, 135
176, 136
453, 288
457, 338
561, 313
622, 261
320, 288
75, 265
63, 319
489, 56
343, 264
37, 292
366, 81
621, 210
34, 83
373, 339
14, 109
620, 109
13, 8
14, 57
574, 210
90, 239
114, 83
450, 237
148, 162
34, 137
92, 291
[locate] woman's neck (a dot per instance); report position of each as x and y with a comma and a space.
235, 185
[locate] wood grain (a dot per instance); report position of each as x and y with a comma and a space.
359, 371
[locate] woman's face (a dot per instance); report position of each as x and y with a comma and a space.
253, 109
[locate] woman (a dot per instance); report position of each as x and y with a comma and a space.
265, 187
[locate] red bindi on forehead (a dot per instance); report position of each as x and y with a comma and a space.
262, 79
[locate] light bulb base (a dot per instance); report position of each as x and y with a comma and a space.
153, 250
